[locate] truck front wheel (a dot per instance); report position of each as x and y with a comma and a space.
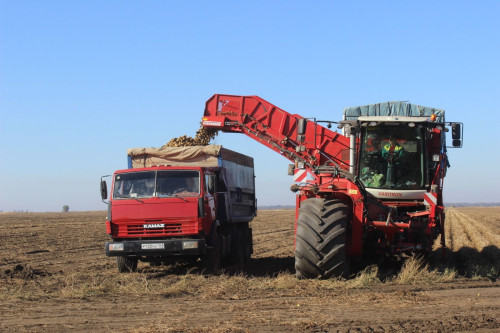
320, 248
126, 264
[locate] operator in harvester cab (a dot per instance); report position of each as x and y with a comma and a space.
393, 153
393, 150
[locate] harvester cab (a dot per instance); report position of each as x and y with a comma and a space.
401, 148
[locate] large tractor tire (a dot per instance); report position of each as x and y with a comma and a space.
320, 248
126, 264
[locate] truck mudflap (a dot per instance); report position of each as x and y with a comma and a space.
165, 247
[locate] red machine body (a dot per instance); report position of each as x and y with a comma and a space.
361, 200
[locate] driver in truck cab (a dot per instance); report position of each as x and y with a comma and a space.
192, 185
189, 186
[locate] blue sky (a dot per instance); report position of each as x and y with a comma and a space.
82, 81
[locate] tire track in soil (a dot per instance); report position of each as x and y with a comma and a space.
273, 234
466, 232
449, 237
490, 236
456, 236
457, 232
263, 233
277, 240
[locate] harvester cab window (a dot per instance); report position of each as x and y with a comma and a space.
392, 157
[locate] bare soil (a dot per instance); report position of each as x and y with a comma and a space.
55, 277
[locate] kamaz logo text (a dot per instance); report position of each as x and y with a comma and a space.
154, 226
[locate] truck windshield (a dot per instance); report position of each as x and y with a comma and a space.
392, 156
134, 185
161, 183
178, 183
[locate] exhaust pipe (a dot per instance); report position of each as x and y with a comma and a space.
352, 151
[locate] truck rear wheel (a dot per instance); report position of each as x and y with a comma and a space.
212, 259
126, 264
320, 248
243, 245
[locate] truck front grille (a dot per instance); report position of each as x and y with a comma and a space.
159, 228
167, 229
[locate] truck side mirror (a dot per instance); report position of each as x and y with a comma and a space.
456, 134
456, 131
104, 190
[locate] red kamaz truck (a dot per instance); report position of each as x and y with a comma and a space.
193, 201
376, 188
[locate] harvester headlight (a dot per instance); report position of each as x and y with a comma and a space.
435, 157
411, 124
373, 123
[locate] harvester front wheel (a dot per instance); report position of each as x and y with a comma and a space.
320, 248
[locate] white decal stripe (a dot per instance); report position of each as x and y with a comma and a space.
299, 175
430, 199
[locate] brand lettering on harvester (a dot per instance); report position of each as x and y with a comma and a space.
212, 123
390, 194
154, 226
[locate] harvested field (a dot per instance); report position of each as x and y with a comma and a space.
54, 277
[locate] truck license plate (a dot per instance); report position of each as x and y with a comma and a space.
154, 246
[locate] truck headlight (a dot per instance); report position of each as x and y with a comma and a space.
116, 247
189, 245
